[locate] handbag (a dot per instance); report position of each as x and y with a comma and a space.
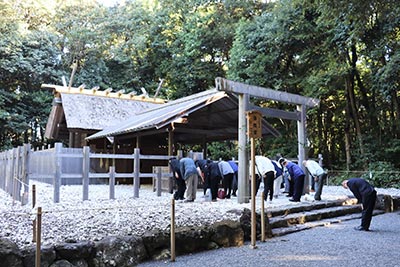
221, 193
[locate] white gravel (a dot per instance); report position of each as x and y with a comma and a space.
74, 220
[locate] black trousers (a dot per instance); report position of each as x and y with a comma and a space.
368, 208
298, 187
227, 183
269, 185
179, 194
215, 181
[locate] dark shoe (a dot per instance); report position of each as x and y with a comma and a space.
228, 196
360, 228
189, 200
317, 199
234, 194
289, 195
293, 200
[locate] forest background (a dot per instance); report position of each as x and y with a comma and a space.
344, 52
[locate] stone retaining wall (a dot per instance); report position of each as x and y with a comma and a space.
129, 251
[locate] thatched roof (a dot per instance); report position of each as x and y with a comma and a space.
92, 110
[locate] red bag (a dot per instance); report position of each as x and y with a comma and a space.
221, 194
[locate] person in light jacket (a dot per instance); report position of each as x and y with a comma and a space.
190, 175
317, 174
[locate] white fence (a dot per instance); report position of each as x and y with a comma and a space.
59, 166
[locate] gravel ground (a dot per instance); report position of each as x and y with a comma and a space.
334, 245
74, 220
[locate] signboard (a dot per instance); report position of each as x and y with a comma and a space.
254, 129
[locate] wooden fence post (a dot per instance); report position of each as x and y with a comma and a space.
136, 172
159, 181
25, 171
85, 172
57, 175
112, 182
33, 206
14, 174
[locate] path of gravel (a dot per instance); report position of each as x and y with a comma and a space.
73, 219
335, 245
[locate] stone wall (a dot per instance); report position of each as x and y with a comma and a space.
125, 251
130, 250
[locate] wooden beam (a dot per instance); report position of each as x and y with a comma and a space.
105, 93
266, 93
224, 131
277, 113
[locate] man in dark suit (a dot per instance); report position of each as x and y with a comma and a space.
366, 195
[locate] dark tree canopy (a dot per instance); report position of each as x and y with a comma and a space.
345, 53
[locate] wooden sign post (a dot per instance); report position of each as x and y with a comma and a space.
254, 131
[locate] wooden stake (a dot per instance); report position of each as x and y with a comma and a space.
38, 236
33, 206
173, 230
253, 196
262, 219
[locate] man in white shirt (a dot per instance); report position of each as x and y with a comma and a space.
266, 170
318, 174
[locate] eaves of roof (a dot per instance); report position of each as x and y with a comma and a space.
158, 117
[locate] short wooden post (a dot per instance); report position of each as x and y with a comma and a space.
38, 236
112, 182
33, 206
262, 218
173, 254
159, 181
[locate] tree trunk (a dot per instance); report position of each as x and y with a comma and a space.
350, 81
396, 114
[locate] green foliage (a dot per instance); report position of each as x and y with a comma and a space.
225, 150
323, 49
383, 174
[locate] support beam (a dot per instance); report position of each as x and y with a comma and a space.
266, 93
277, 113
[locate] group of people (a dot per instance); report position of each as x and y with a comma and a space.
273, 173
186, 172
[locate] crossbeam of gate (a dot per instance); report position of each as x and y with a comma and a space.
244, 91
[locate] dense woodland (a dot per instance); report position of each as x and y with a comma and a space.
344, 52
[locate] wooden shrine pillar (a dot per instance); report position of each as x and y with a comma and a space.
302, 143
243, 153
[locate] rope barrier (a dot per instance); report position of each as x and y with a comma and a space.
21, 182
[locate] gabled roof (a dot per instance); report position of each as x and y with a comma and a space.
211, 115
91, 109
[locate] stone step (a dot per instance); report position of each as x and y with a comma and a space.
280, 231
305, 216
309, 206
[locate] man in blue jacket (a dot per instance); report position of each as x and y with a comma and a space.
297, 174
366, 195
